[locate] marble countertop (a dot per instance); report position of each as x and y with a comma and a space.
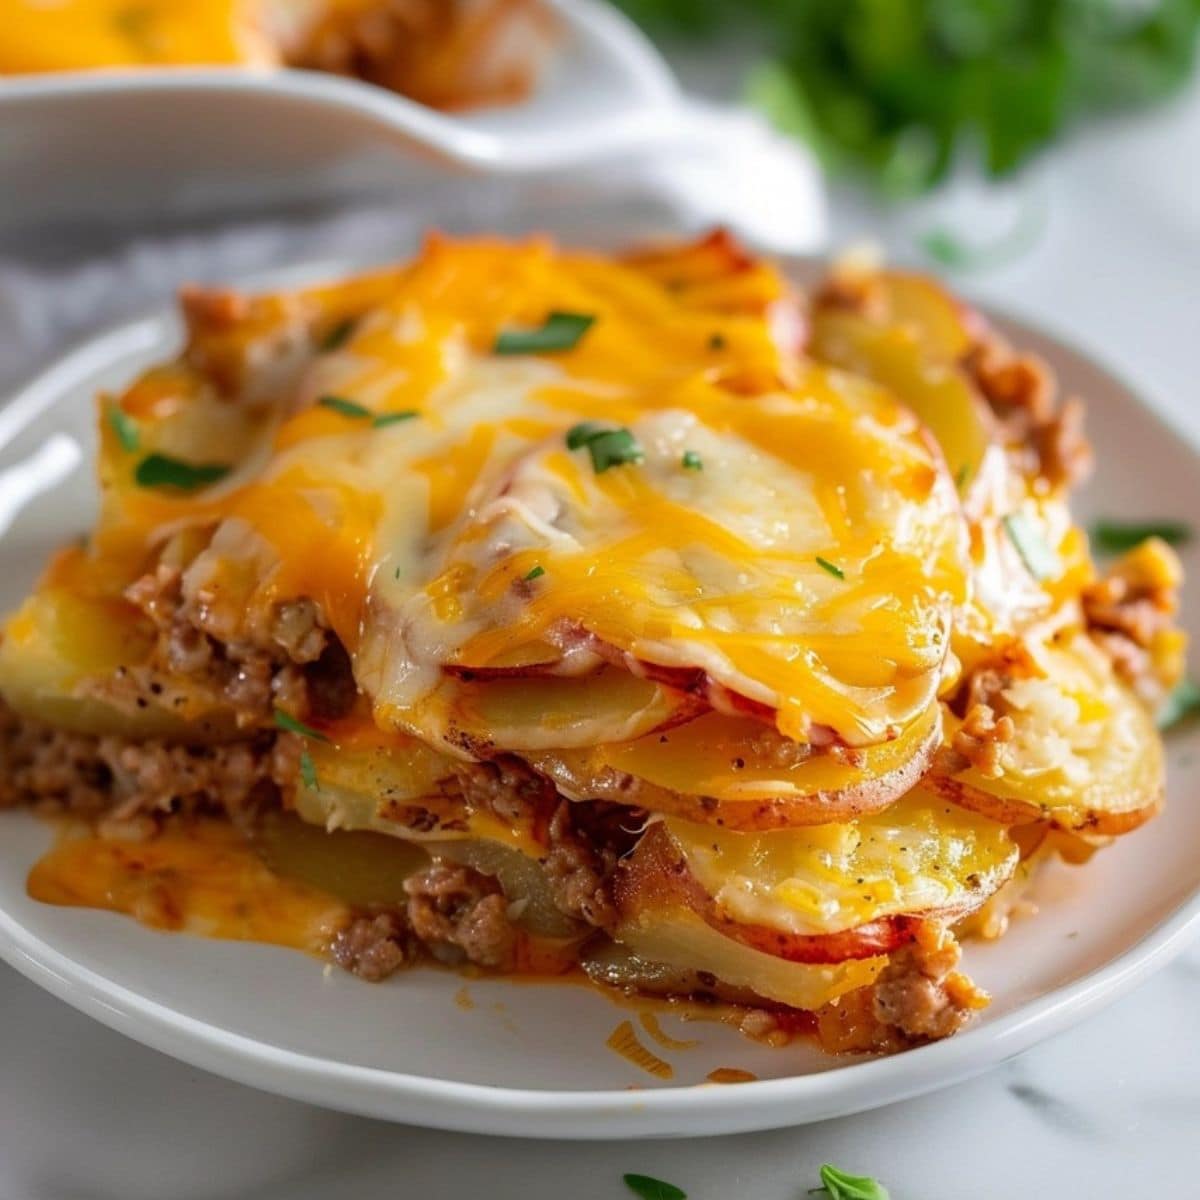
1100, 1111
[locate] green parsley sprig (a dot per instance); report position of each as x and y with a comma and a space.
837, 1184
1181, 705
1040, 560
161, 470
561, 331
649, 1188
126, 429
1115, 537
608, 447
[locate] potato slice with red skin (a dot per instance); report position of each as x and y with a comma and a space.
656, 875
1085, 755
582, 653
479, 718
971, 860
708, 770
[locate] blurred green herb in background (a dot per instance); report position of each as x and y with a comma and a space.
898, 88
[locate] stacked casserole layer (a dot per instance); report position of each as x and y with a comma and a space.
635, 613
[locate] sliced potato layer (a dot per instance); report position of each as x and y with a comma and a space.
739, 773
1084, 754
921, 855
678, 938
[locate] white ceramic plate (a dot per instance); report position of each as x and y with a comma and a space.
530, 1059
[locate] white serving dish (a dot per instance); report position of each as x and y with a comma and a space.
135, 150
185, 141
530, 1059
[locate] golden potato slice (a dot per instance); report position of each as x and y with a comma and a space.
736, 772
1085, 754
896, 354
474, 718
667, 941
63, 649
922, 855
823, 894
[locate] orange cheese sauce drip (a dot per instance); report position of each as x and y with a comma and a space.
650, 1023
624, 1041
200, 877
731, 1075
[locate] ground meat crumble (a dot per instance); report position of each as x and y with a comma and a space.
1021, 391
1130, 614
918, 997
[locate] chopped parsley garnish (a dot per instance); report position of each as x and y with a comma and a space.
394, 418
1180, 705
160, 470
608, 447
649, 1188
338, 335
348, 408
1036, 555
692, 461
837, 1184
964, 473
289, 723
308, 772
536, 573
561, 331
125, 427
716, 341
832, 568
581, 434
1113, 537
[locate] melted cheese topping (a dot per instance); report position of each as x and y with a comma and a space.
416, 537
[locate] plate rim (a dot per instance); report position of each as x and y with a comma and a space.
679, 1110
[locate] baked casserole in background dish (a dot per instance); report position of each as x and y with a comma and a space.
449, 54
549, 612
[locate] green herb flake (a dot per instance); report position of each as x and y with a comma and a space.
159, 470
614, 449
649, 1188
691, 461
1182, 704
1035, 554
964, 473
832, 568
837, 1184
561, 331
338, 335
308, 772
579, 435
125, 427
289, 723
607, 447
536, 573
348, 408
394, 418
716, 341
1114, 537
